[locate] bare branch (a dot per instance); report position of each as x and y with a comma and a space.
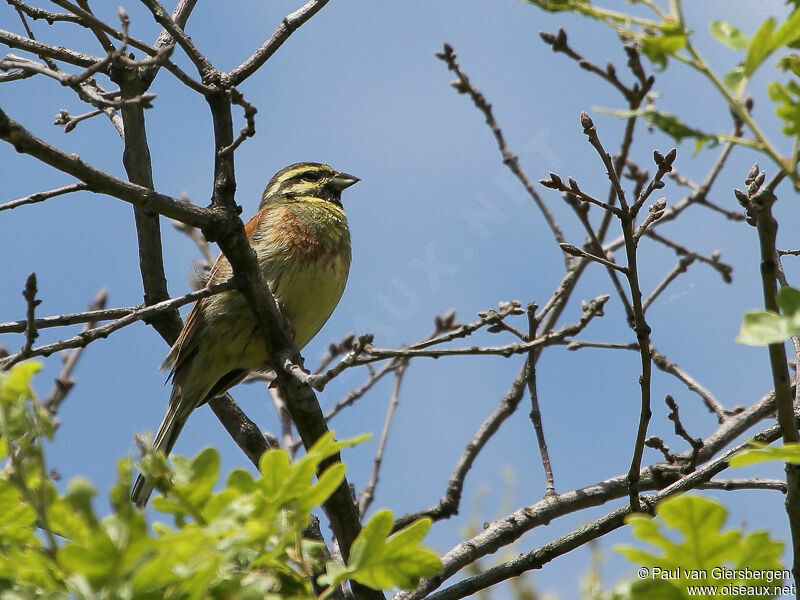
591, 133
204, 66
38, 13
102, 182
180, 16
12, 40
90, 20
639, 324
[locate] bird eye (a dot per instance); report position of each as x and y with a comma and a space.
311, 176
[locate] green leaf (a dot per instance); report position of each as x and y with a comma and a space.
790, 62
322, 490
274, 466
789, 303
787, 100
703, 546
241, 481
732, 79
192, 486
787, 33
382, 562
762, 327
15, 385
666, 122
760, 47
203, 477
238, 543
562, 5
16, 518
372, 538
95, 559
729, 35
658, 47
789, 452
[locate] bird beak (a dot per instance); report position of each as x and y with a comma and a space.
342, 181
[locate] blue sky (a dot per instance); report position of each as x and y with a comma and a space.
359, 87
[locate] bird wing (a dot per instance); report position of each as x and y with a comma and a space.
186, 344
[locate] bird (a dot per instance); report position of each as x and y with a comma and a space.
301, 240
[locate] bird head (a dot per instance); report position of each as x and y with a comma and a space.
304, 180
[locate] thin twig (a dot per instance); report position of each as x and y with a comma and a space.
714, 262
368, 493
42, 196
536, 414
31, 333
85, 338
558, 42
695, 443
449, 503
582, 212
64, 381
682, 266
756, 483
654, 212
358, 392
163, 18
288, 25
12, 40
463, 86
593, 308
666, 365
577, 252
249, 130
504, 531
639, 324
453, 332
105, 183
38, 13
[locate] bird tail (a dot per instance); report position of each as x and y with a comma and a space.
165, 439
